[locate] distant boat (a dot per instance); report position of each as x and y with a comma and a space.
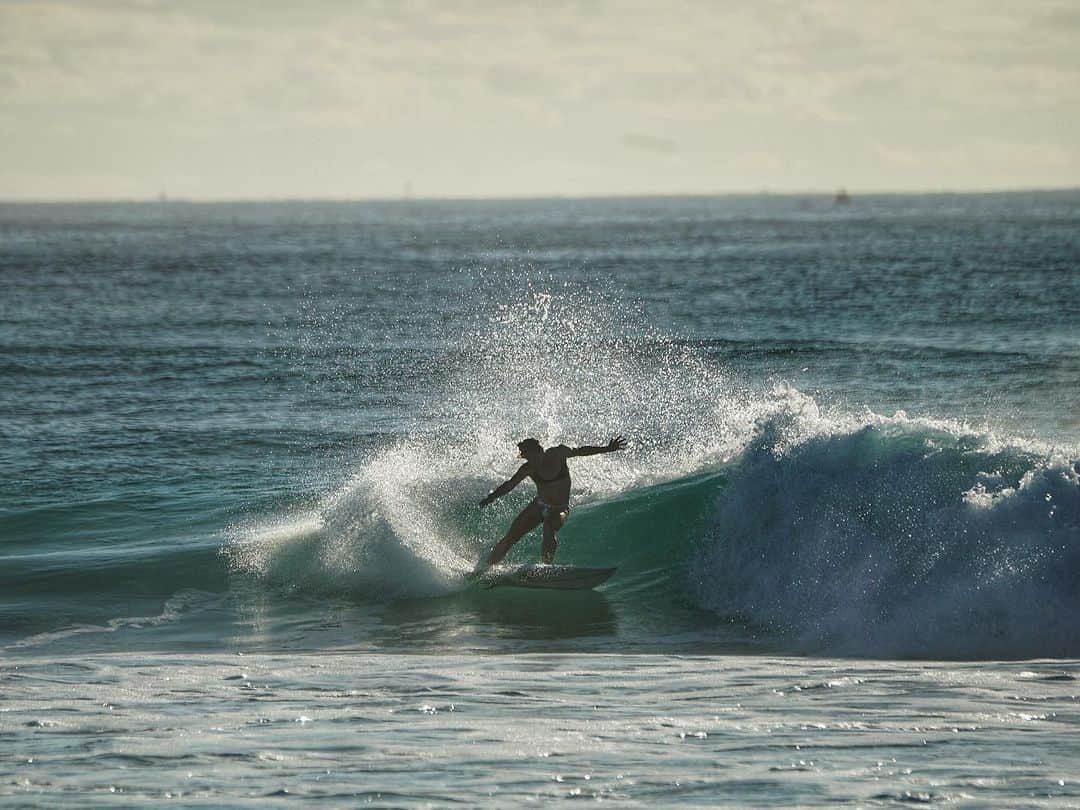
842, 197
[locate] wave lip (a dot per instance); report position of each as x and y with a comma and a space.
899, 538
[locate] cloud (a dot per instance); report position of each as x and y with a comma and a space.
461, 92
648, 143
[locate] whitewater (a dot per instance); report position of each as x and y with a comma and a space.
244, 446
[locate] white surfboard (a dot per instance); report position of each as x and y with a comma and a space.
540, 575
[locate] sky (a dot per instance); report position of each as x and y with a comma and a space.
212, 99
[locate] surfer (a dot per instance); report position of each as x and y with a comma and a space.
551, 506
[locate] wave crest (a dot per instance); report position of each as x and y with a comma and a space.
899, 538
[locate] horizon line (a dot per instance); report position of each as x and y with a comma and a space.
165, 199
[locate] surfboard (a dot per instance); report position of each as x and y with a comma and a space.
539, 575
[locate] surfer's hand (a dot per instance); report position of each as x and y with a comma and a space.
618, 443
486, 500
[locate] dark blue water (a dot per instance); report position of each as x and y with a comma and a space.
853, 428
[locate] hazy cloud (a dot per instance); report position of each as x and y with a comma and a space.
648, 143
109, 98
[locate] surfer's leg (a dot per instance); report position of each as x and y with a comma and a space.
553, 521
524, 523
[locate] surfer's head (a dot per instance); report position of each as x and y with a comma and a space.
529, 447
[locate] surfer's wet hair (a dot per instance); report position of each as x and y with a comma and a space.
526, 443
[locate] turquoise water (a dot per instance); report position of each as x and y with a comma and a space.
262, 429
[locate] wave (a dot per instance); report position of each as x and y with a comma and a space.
819, 532
898, 537
873, 537
832, 532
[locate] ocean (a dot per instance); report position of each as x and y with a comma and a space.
242, 447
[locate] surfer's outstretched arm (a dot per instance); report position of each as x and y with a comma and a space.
507, 485
618, 443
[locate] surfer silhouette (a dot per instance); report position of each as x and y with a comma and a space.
551, 506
